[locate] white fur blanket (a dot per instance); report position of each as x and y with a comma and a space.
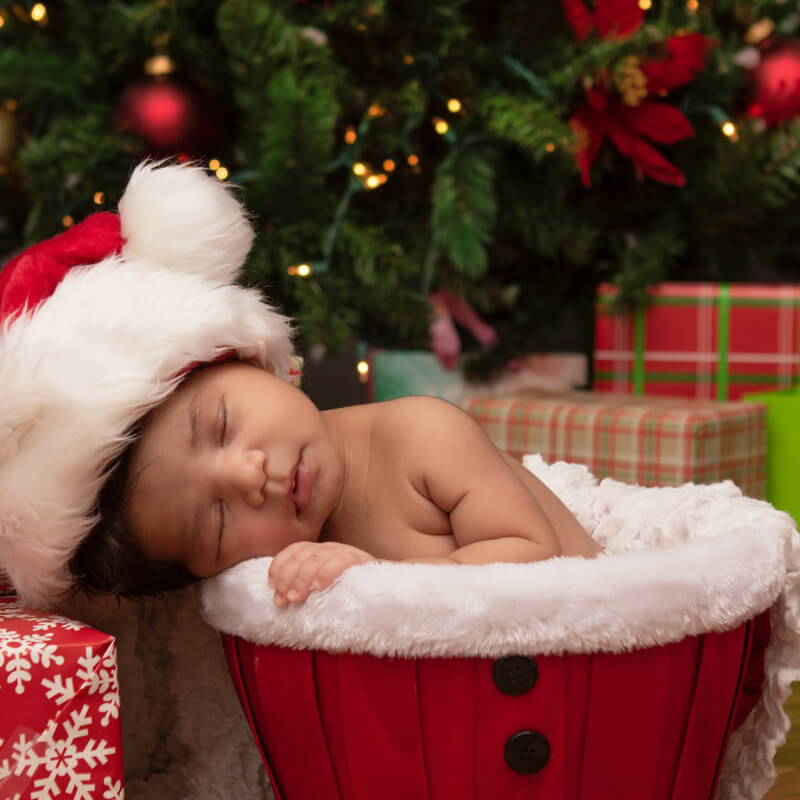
678, 561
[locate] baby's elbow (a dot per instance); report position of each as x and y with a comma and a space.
539, 549
551, 549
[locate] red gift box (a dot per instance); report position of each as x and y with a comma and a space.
705, 340
60, 733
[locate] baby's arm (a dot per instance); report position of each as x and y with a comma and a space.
493, 514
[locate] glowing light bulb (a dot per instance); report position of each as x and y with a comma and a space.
645, 5
759, 31
376, 110
214, 164
222, 173
304, 270
408, 59
159, 64
292, 270
373, 182
363, 371
413, 160
454, 105
692, 6
440, 126
67, 221
729, 129
350, 135
389, 165
99, 198
38, 12
359, 169
2, 20
549, 147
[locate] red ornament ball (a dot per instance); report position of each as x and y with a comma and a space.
775, 93
170, 117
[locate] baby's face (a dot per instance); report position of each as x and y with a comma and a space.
235, 464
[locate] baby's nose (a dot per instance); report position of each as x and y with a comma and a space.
250, 477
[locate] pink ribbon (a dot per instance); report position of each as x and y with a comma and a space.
444, 339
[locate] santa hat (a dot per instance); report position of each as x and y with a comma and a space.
97, 326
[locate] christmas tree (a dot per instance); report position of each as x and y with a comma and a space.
507, 155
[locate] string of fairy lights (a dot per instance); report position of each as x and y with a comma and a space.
369, 176
37, 14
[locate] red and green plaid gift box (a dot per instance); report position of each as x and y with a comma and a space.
651, 441
704, 340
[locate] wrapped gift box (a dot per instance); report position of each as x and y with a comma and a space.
704, 340
783, 448
60, 732
652, 441
399, 373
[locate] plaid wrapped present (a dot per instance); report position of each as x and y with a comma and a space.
652, 441
704, 340
60, 733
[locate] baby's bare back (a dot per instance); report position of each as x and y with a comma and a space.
415, 491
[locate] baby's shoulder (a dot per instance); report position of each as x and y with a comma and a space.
418, 418
419, 408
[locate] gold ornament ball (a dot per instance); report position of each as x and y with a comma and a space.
8, 134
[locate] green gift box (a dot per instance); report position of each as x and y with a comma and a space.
399, 373
783, 448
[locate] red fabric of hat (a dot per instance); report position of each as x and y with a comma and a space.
33, 275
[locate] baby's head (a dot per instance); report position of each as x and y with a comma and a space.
235, 464
98, 328
111, 559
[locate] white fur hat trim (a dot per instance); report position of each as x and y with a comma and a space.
107, 346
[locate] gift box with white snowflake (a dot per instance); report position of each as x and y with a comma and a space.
60, 733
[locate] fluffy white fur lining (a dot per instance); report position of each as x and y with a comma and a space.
678, 561
79, 370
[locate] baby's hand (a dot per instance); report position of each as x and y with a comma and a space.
305, 566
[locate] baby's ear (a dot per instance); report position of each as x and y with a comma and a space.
182, 218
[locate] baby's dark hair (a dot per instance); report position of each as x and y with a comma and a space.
110, 559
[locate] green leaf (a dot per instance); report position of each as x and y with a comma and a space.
532, 124
464, 209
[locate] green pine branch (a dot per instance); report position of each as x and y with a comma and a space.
464, 209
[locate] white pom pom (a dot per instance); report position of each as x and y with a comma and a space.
180, 217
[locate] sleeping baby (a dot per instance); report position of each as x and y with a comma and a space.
150, 437
237, 463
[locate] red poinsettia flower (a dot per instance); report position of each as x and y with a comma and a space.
627, 117
612, 18
626, 126
685, 56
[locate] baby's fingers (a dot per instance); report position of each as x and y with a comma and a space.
311, 565
285, 566
339, 558
319, 571
306, 566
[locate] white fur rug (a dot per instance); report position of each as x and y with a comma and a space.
678, 561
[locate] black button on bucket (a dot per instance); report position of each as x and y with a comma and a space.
527, 752
515, 675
